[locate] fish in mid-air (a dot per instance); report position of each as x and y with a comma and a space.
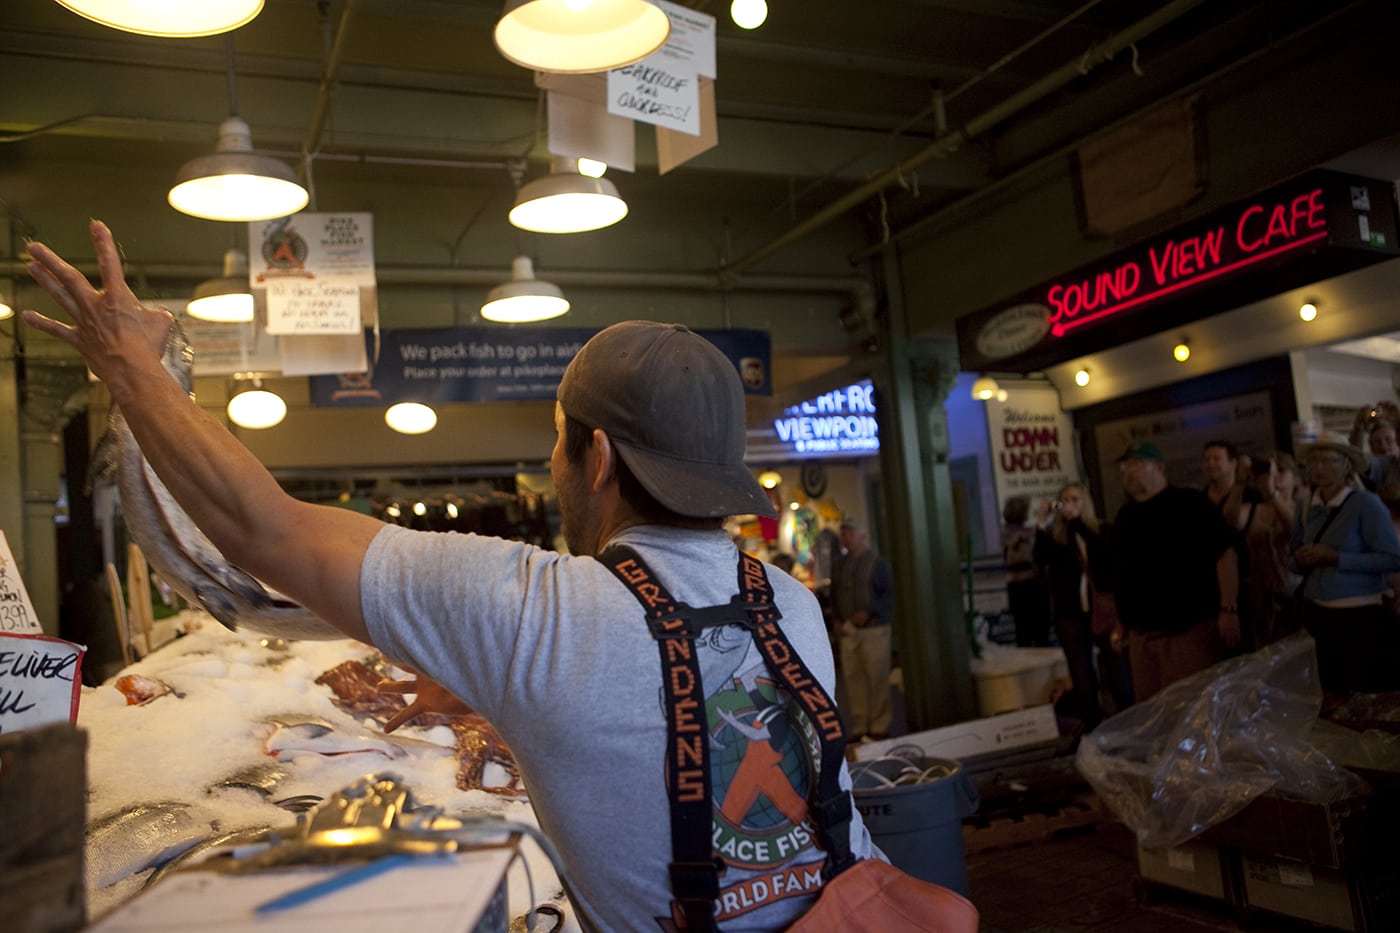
175, 547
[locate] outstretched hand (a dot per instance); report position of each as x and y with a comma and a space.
431, 697
111, 328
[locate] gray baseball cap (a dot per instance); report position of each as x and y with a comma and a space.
673, 406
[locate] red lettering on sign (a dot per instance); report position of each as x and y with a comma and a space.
1261, 231
1044, 461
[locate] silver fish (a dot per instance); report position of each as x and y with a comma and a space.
176, 548
140, 837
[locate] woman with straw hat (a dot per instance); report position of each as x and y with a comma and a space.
1344, 546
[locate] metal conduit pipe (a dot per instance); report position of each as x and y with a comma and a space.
328, 80
1076, 68
491, 276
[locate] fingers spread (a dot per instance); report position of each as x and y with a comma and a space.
49, 326
109, 264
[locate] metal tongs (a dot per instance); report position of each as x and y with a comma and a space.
373, 817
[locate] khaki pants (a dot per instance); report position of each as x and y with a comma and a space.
865, 670
1158, 659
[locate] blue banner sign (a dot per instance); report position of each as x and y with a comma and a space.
840, 422
480, 364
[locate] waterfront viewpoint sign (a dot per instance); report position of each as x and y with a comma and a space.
1316, 226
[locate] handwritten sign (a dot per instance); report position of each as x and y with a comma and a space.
16, 611
39, 681
664, 88
317, 306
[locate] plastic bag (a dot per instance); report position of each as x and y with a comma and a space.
1204, 747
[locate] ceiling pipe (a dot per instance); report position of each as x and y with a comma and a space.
323, 95
491, 276
1066, 73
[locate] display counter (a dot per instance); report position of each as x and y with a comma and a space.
219, 732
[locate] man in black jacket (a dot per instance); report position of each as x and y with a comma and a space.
1176, 575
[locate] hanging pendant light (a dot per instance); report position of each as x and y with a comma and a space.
256, 408
228, 298
236, 183
410, 418
566, 202
166, 19
580, 36
524, 298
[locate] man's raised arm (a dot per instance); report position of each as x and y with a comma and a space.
309, 552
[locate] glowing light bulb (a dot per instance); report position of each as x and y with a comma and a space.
1081, 378
1181, 352
1308, 311
592, 168
420, 509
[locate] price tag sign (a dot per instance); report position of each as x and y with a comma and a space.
16, 611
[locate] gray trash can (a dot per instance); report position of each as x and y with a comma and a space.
914, 808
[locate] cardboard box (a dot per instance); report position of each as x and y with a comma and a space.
43, 796
964, 740
1192, 866
1330, 835
1295, 889
1363, 898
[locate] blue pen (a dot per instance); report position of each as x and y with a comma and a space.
334, 883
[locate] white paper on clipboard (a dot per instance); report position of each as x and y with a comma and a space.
425, 896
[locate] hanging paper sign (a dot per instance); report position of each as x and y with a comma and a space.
692, 35
16, 611
39, 681
318, 306
314, 246
664, 88
315, 272
222, 349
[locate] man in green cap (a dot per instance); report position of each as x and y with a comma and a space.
1176, 576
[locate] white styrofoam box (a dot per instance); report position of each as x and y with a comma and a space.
976, 737
1011, 678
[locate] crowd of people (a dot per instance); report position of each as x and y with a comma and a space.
1182, 578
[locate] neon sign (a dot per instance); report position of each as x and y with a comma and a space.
1311, 228
1260, 231
838, 422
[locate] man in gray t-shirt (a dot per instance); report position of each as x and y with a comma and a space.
552, 648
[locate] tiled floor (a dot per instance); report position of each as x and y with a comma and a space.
1085, 879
